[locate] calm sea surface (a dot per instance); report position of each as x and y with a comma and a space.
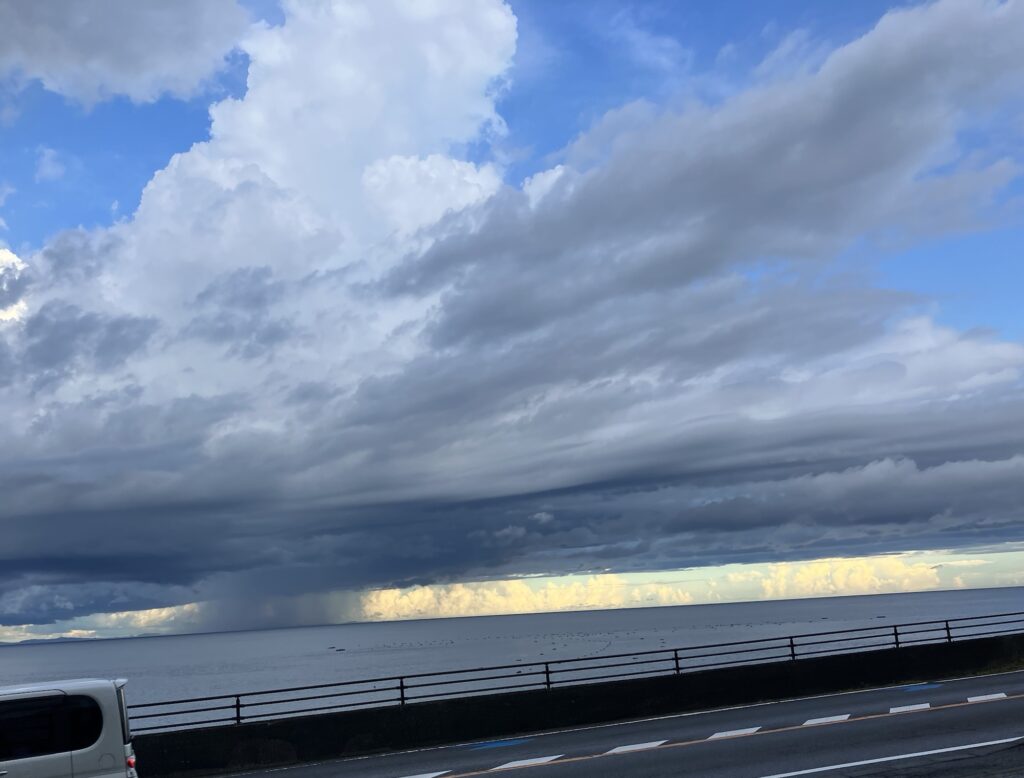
193, 665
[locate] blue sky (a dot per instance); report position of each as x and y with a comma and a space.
341, 306
108, 153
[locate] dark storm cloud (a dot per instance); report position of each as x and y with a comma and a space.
806, 507
42, 601
61, 337
652, 364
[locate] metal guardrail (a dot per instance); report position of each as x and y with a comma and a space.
447, 684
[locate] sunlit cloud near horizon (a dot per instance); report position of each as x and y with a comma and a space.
337, 310
835, 577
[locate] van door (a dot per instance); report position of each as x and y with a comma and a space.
33, 736
97, 748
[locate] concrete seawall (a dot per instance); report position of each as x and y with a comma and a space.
334, 735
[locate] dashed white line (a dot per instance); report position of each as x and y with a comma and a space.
910, 708
894, 758
637, 747
988, 697
428, 775
734, 733
826, 720
527, 762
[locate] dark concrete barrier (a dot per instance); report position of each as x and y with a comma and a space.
333, 735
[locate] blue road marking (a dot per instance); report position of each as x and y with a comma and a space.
501, 743
920, 687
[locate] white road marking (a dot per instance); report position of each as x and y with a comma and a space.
637, 747
826, 720
895, 758
987, 697
910, 708
429, 775
527, 762
734, 733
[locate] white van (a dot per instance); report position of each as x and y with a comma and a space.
65, 729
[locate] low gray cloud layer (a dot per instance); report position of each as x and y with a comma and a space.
654, 355
95, 49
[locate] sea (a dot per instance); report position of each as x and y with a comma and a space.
176, 666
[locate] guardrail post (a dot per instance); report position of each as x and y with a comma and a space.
547, 675
238, 709
401, 691
792, 649
675, 656
949, 635
896, 634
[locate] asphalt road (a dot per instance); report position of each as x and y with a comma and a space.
965, 727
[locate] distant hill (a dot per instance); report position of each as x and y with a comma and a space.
34, 641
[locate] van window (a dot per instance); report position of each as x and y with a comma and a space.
48, 725
84, 721
30, 727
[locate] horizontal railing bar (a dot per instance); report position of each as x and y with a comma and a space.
875, 628
941, 628
938, 639
931, 621
182, 712
491, 668
340, 706
394, 678
730, 662
308, 697
841, 651
139, 705
565, 671
910, 624
847, 638
570, 681
540, 684
884, 636
687, 668
668, 650
1018, 622
783, 648
563, 668
988, 634
976, 618
472, 680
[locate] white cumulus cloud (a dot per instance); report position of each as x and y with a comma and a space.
830, 577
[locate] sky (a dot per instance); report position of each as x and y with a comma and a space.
343, 310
